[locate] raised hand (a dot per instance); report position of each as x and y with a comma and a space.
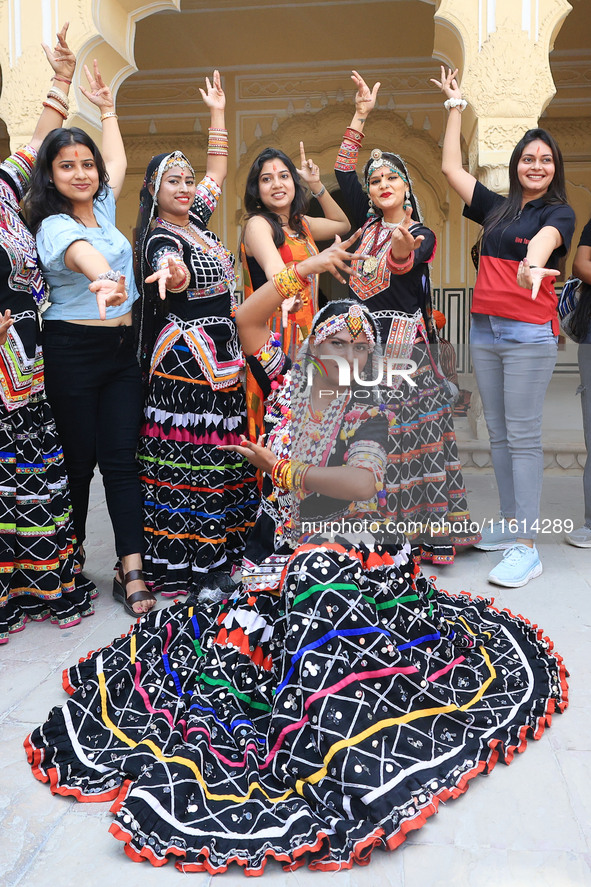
214, 96
98, 92
448, 83
530, 277
403, 241
365, 99
108, 293
335, 259
309, 172
171, 275
6, 322
61, 58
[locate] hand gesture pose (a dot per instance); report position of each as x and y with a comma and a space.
448, 83
256, 453
169, 277
403, 241
61, 58
6, 322
108, 293
98, 92
309, 172
214, 97
335, 259
365, 99
530, 277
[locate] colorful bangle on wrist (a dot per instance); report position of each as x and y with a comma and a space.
396, 266
217, 142
287, 283
299, 471
348, 152
354, 135
50, 103
304, 280
281, 474
185, 281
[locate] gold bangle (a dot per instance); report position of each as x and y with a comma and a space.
287, 283
109, 114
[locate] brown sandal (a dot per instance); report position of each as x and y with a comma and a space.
120, 592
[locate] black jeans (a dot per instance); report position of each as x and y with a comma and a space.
93, 384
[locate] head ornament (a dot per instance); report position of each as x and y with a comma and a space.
356, 321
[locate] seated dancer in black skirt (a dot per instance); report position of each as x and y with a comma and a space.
330, 704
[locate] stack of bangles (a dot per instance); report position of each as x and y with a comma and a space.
290, 474
57, 100
281, 474
347, 156
399, 266
289, 282
186, 275
217, 142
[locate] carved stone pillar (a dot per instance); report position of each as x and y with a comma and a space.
502, 49
105, 31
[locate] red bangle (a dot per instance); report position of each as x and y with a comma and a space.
61, 79
305, 281
57, 110
353, 134
396, 267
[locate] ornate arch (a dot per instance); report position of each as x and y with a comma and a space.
104, 28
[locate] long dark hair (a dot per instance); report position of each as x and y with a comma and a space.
510, 208
43, 199
253, 204
149, 310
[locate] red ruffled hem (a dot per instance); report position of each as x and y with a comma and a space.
362, 850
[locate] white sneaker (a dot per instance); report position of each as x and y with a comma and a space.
581, 538
520, 564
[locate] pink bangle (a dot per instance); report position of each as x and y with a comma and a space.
399, 267
61, 79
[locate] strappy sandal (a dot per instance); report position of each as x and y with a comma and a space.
120, 592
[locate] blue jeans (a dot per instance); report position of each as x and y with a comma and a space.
584, 355
513, 363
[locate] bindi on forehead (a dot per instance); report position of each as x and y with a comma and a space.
275, 167
75, 153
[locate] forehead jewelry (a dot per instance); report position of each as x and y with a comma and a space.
177, 158
377, 162
355, 320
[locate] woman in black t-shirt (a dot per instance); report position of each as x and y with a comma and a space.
514, 322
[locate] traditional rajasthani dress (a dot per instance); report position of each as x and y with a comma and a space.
199, 501
299, 323
426, 492
39, 578
324, 710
